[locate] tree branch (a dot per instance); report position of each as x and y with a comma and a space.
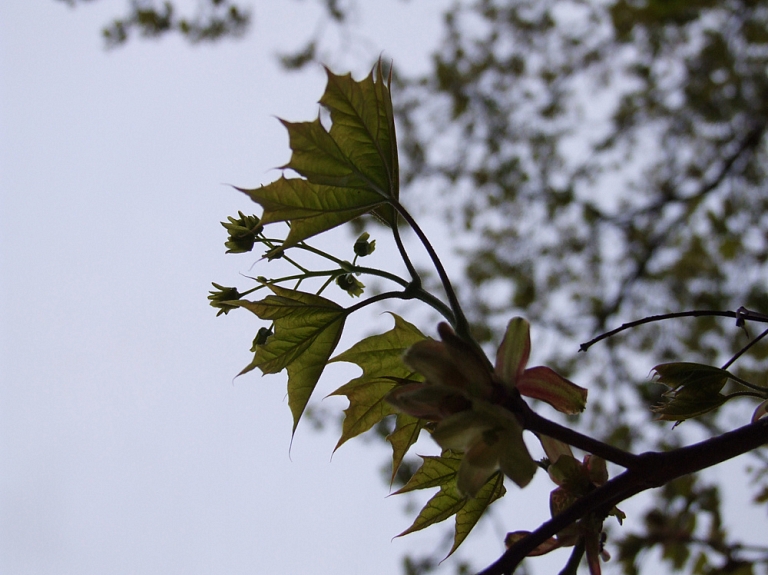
654, 469
532, 421
741, 315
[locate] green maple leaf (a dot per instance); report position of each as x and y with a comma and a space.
360, 149
435, 471
310, 208
442, 472
445, 504
307, 330
468, 516
350, 170
405, 434
379, 357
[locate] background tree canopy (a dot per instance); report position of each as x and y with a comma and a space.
602, 162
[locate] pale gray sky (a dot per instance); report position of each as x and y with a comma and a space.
125, 445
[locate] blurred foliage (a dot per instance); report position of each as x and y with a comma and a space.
213, 20
603, 161
606, 161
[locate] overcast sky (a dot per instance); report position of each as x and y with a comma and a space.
125, 445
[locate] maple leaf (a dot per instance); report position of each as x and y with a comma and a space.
468, 516
379, 357
310, 208
360, 149
350, 169
307, 330
405, 434
442, 472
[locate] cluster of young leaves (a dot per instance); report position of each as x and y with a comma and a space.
472, 409
469, 406
346, 171
696, 389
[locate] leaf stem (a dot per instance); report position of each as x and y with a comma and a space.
325, 285
761, 390
377, 298
745, 394
404, 254
460, 323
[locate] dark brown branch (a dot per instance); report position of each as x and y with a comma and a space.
532, 421
653, 470
740, 315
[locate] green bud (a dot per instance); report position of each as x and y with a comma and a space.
350, 284
221, 295
242, 233
363, 247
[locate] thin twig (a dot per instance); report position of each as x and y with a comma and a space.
740, 315
744, 349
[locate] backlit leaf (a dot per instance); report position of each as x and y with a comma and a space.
366, 406
434, 472
468, 516
310, 208
379, 357
407, 429
307, 329
360, 149
441, 471
444, 504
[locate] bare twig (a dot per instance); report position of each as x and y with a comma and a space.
742, 314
